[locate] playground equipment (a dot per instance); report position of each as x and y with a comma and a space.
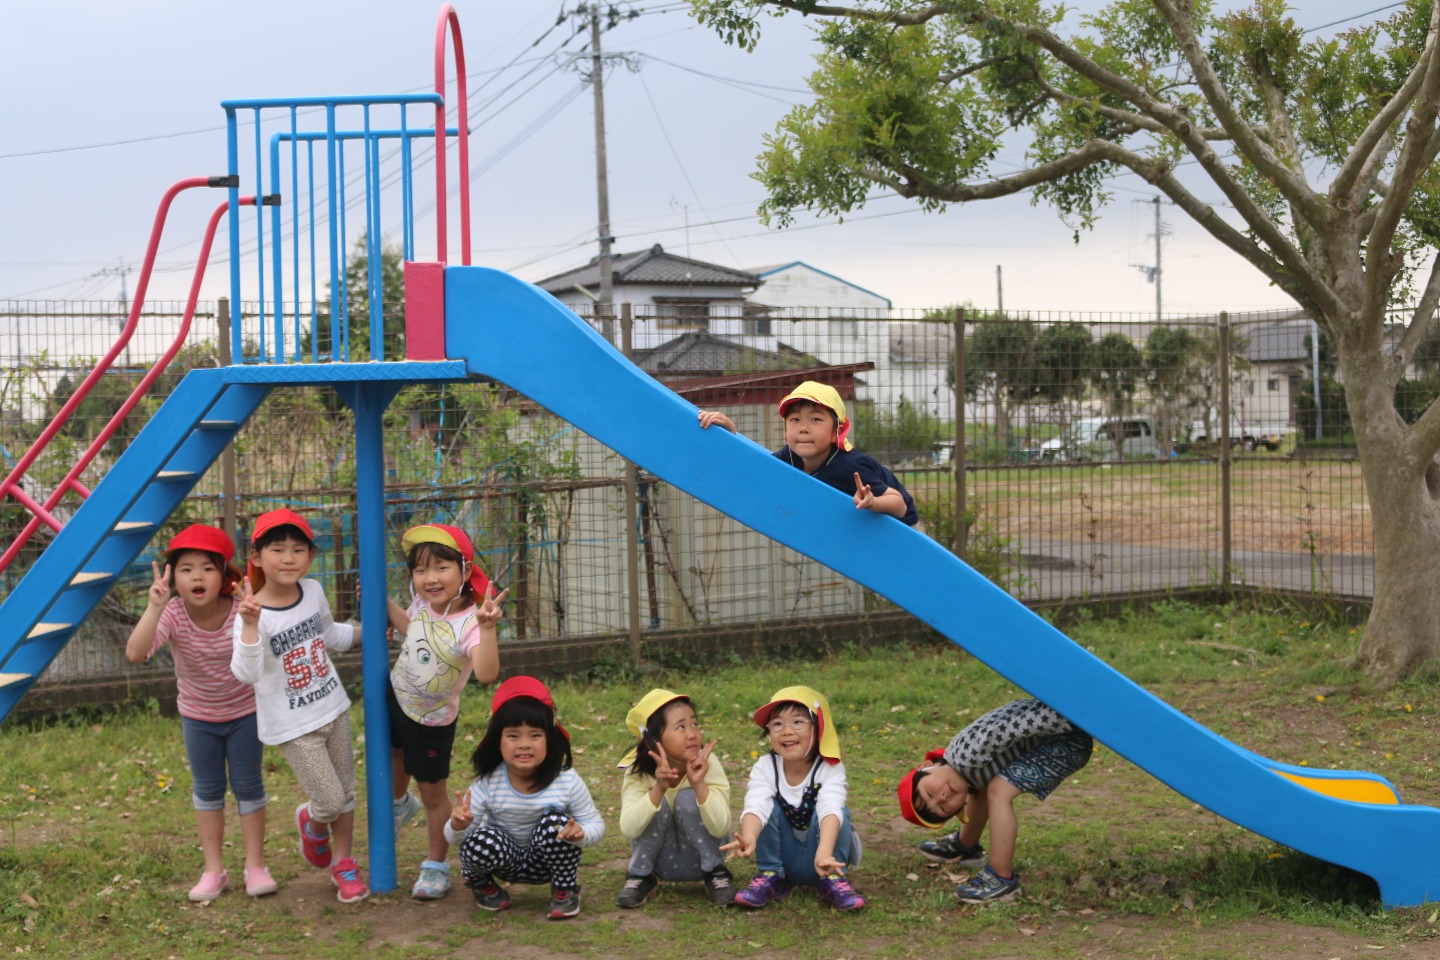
466, 322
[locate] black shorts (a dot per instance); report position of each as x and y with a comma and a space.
426, 750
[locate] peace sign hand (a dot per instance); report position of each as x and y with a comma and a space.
160, 589
490, 611
699, 765
665, 775
461, 816
249, 608
864, 498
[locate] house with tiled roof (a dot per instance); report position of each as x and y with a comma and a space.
669, 293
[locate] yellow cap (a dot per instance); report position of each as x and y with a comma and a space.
815, 702
829, 398
641, 713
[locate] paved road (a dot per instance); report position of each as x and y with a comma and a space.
1054, 569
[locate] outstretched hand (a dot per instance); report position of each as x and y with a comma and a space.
490, 610
160, 589
572, 832
828, 866
249, 608
739, 847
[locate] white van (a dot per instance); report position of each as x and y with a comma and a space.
1093, 438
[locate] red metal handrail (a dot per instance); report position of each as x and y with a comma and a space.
11, 485
448, 17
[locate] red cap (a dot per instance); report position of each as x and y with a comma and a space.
207, 539
278, 518
906, 792
524, 687
455, 539
265, 523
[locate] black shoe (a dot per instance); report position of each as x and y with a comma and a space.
949, 849
636, 891
720, 886
488, 894
564, 902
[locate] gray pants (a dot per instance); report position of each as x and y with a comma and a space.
676, 846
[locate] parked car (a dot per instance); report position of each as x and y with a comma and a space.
1252, 436
1094, 438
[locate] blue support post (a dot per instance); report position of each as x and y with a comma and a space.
368, 401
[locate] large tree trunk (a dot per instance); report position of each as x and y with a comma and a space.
1402, 635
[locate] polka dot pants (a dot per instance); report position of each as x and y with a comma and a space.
490, 851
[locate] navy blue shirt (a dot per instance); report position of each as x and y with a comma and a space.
839, 472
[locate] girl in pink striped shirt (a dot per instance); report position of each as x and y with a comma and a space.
191, 609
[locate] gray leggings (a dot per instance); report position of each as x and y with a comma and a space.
324, 763
676, 845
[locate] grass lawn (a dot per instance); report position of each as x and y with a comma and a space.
97, 841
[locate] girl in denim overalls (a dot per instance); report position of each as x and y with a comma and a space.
795, 823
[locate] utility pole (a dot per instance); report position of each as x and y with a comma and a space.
1159, 232
999, 291
121, 272
606, 303
1153, 273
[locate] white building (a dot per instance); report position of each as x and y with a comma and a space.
840, 322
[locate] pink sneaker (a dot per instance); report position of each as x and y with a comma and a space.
315, 850
259, 883
212, 884
347, 877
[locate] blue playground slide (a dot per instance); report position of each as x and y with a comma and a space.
503, 328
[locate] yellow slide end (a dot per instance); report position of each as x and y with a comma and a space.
1354, 790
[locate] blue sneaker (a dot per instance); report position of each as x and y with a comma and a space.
987, 886
949, 849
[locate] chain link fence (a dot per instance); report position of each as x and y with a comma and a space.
1067, 456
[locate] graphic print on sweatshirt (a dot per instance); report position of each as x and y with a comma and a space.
301, 651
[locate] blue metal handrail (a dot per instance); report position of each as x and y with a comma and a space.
334, 174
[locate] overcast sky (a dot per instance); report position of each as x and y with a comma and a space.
106, 104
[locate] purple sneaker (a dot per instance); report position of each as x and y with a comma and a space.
837, 892
765, 887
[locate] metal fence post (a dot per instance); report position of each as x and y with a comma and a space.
632, 531
962, 532
1226, 541
227, 458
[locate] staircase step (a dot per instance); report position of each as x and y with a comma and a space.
8, 678
44, 629
80, 579
217, 424
136, 526
177, 475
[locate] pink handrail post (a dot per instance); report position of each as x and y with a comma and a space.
71, 480
448, 17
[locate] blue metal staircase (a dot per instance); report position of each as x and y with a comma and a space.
126, 509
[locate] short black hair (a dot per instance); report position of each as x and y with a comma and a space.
650, 736
282, 533
805, 402
529, 712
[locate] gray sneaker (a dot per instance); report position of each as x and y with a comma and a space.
636, 891
987, 886
405, 810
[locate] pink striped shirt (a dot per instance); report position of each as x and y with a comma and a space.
208, 690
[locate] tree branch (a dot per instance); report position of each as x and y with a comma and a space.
948, 78
1291, 183
1419, 132
899, 19
1419, 321
1135, 121
1372, 145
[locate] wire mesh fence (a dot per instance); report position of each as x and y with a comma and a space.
1066, 456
